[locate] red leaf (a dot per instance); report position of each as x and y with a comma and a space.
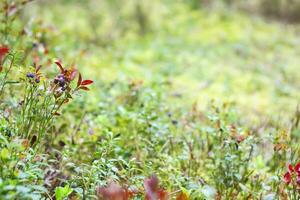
79, 80
151, 187
60, 66
287, 178
87, 82
297, 168
152, 190
162, 194
3, 51
114, 192
84, 88
291, 168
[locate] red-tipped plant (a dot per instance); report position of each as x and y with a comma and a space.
43, 101
82, 84
3, 51
153, 191
114, 192
293, 174
292, 179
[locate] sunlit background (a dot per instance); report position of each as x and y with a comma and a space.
244, 52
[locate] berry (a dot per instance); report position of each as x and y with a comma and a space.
30, 75
55, 81
34, 45
62, 83
174, 122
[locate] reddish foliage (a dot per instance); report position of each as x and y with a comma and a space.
235, 135
287, 178
153, 191
3, 51
62, 83
151, 188
86, 82
291, 168
83, 88
114, 192
66, 76
182, 196
240, 138
81, 84
69, 74
60, 66
293, 175
79, 80
297, 168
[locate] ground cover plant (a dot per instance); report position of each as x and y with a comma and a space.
150, 100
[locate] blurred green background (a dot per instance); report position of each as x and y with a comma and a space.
242, 52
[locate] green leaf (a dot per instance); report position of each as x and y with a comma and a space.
63, 192
4, 154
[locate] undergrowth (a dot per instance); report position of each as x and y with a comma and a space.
139, 135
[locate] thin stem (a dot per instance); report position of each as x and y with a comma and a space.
5, 76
